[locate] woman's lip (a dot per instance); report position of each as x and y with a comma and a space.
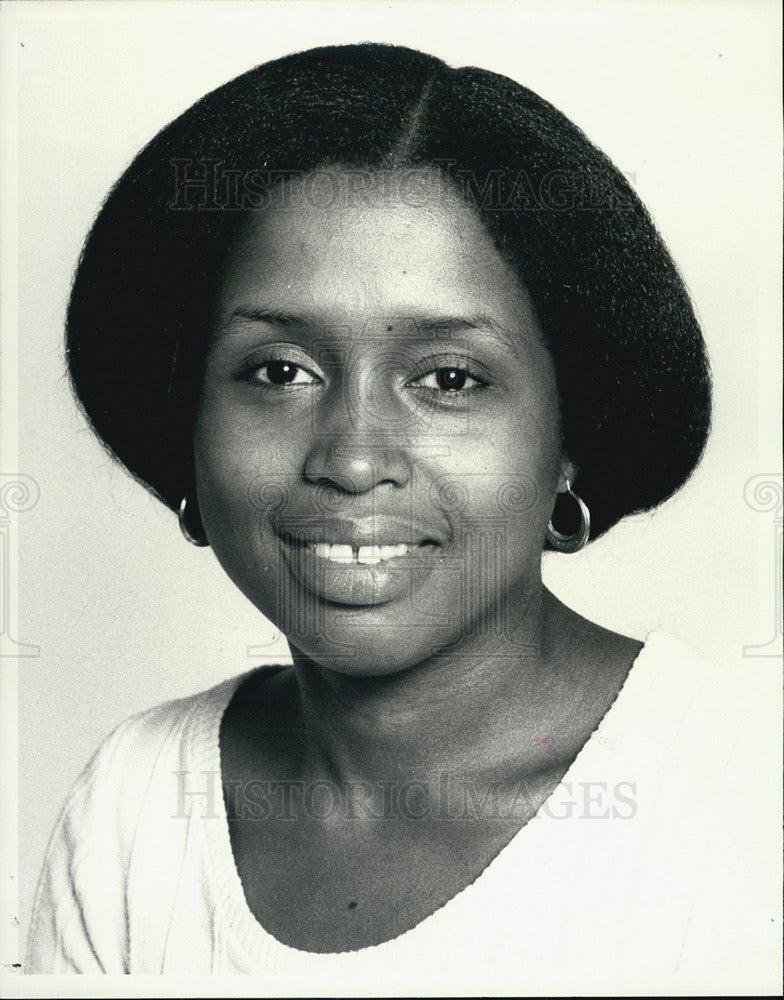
359, 532
359, 584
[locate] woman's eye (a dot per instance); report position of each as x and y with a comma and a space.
283, 373
447, 379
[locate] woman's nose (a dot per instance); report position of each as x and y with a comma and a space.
354, 450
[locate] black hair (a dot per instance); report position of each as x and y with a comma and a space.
632, 372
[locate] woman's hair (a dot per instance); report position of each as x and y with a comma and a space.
631, 368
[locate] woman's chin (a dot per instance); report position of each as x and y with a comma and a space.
355, 650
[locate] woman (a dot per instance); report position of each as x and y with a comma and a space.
380, 331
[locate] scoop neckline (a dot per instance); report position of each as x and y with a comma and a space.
250, 934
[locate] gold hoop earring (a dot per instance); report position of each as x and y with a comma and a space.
577, 540
193, 533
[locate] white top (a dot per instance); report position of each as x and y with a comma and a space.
653, 867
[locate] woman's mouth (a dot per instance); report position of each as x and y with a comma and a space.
359, 574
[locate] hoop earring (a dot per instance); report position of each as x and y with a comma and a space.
576, 541
192, 533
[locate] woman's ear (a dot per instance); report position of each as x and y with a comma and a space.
567, 473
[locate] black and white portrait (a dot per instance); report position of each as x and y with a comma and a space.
391, 501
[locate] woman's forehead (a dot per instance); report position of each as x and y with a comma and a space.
406, 245
338, 205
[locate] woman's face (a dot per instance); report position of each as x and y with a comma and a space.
377, 445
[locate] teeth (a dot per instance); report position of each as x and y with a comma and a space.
369, 555
393, 551
366, 555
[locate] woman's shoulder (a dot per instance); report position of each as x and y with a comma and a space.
122, 834
672, 674
701, 737
701, 724
179, 736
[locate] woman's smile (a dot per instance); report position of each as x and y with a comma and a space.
361, 561
364, 576
378, 441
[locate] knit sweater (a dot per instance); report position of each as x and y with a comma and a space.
653, 867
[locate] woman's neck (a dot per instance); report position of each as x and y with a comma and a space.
492, 705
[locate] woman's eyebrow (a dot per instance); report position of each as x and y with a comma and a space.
440, 325
264, 316
452, 324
